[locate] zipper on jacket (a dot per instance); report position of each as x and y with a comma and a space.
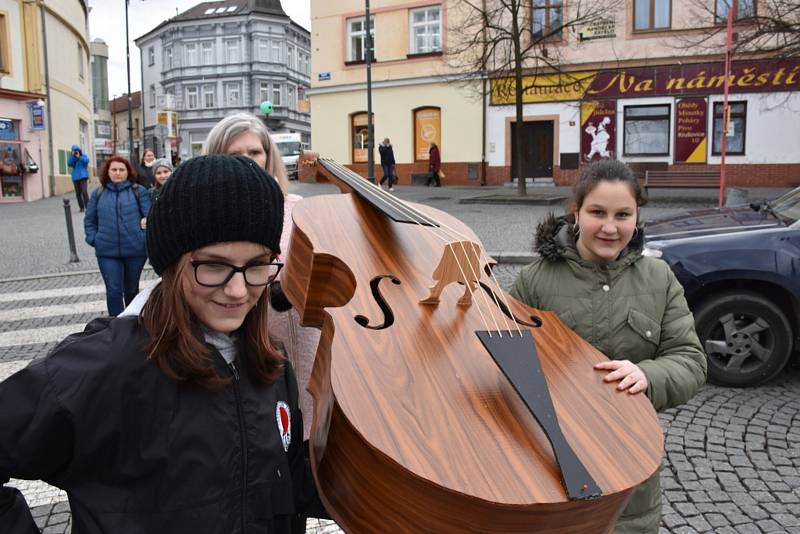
243, 437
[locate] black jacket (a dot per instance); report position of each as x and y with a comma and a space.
139, 452
145, 176
387, 154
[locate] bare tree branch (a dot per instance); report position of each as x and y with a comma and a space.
515, 42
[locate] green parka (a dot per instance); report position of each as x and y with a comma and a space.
631, 309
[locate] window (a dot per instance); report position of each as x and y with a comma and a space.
647, 130
427, 129
233, 94
359, 133
152, 96
548, 18
207, 51
291, 103
263, 92
151, 56
356, 36
276, 51
232, 51
263, 50
168, 57
737, 123
5, 59
83, 132
425, 30
191, 54
742, 9
81, 68
208, 96
191, 98
651, 14
276, 94
290, 57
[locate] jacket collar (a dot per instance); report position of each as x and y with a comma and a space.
555, 240
118, 186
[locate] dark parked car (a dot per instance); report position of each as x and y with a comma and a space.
740, 269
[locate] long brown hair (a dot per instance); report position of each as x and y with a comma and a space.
104, 179
176, 342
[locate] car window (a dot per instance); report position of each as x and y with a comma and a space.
788, 206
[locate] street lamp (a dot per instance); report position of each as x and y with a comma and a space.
370, 133
128, 65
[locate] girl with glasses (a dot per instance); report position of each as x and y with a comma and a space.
185, 418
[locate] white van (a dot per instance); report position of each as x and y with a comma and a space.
289, 145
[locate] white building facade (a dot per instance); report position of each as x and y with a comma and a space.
219, 58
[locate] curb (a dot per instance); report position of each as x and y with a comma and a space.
56, 275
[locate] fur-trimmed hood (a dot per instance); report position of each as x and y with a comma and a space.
555, 240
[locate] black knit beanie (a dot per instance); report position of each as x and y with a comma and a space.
214, 199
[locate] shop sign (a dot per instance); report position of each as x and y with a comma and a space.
543, 88
37, 117
102, 129
691, 137
671, 80
8, 130
103, 146
600, 29
598, 129
169, 120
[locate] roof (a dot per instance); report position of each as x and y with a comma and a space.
121, 102
224, 8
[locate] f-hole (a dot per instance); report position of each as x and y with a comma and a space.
536, 321
388, 314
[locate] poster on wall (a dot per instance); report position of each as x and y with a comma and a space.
691, 138
360, 135
427, 128
37, 117
598, 129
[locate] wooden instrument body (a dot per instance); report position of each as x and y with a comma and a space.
415, 428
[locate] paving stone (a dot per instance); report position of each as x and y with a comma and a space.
716, 520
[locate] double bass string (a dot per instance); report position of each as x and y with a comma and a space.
418, 217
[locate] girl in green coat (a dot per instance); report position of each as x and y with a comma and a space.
591, 272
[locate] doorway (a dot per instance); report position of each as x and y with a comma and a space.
537, 142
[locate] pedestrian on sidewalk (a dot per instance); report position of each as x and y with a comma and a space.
80, 175
387, 163
114, 225
184, 419
434, 165
145, 172
592, 274
162, 170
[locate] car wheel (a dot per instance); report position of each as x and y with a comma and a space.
747, 338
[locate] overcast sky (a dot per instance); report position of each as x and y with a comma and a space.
107, 21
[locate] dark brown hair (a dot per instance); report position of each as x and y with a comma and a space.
104, 179
176, 343
605, 170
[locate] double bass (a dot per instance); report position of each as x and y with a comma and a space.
442, 404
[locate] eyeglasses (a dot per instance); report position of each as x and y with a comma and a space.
216, 273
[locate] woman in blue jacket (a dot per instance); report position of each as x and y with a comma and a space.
80, 175
114, 225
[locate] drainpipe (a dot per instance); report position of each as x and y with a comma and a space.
51, 174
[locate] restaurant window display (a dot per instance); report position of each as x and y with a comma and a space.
11, 158
647, 130
737, 123
360, 136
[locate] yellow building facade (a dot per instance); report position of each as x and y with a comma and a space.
413, 103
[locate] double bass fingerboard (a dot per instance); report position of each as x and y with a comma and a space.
388, 204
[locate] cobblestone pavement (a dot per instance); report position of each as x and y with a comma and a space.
732, 456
